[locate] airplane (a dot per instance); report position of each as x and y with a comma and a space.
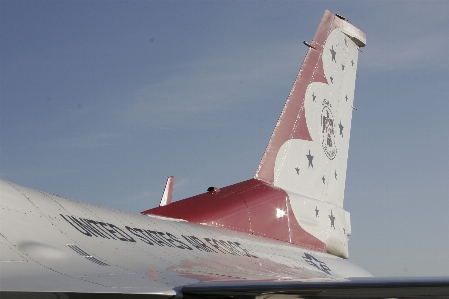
283, 233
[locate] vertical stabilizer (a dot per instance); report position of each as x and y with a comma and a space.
297, 193
307, 153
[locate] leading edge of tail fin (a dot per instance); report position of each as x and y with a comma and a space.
308, 150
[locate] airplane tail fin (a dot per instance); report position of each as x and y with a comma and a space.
308, 150
296, 195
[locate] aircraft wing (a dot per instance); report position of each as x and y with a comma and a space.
369, 287
366, 287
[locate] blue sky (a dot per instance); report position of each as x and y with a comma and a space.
101, 101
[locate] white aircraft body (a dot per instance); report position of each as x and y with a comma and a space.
282, 233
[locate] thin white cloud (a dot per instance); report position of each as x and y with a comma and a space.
412, 52
401, 36
181, 184
212, 84
143, 195
90, 140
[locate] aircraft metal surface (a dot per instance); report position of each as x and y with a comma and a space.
283, 233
